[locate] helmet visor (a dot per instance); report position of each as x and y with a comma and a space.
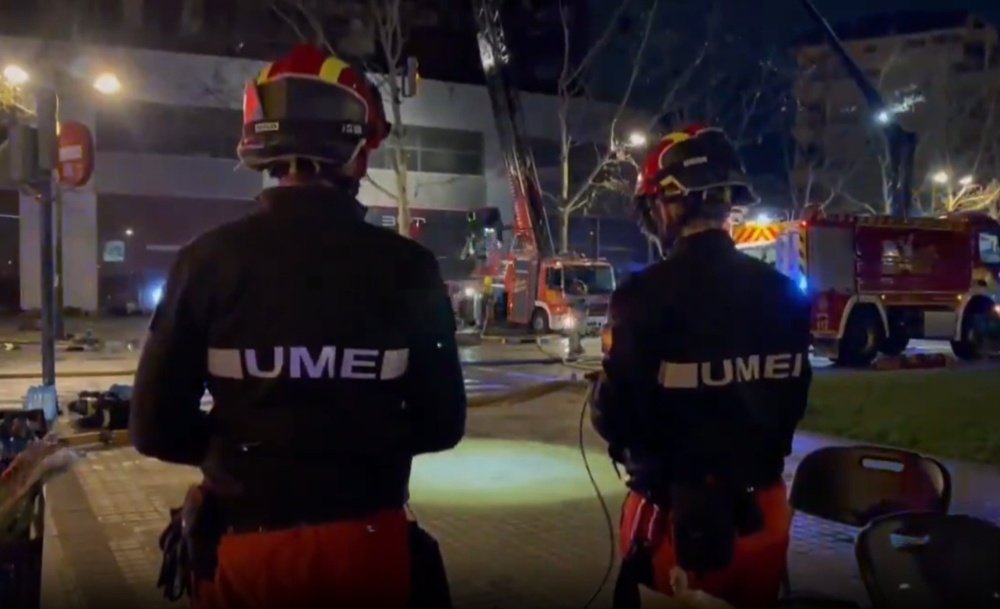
306, 99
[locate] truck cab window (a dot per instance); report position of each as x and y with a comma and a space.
989, 248
555, 279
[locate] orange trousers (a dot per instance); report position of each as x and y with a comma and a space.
359, 563
753, 579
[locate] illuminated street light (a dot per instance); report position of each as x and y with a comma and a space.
107, 83
15, 75
941, 177
636, 139
129, 232
965, 180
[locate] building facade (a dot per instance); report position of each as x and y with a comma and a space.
940, 75
166, 168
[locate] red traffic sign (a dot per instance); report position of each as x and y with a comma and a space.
76, 154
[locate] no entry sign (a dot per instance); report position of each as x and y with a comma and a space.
76, 154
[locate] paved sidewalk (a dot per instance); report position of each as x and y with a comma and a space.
514, 511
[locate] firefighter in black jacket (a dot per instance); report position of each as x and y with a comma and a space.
328, 346
705, 380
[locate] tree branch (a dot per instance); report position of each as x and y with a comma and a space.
380, 188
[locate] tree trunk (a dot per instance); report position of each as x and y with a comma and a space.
399, 150
564, 215
402, 195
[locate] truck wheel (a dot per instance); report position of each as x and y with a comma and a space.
970, 346
540, 322
862, 337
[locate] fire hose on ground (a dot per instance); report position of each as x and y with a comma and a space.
110, 438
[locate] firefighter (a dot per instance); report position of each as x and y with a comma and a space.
328, 345
703, 384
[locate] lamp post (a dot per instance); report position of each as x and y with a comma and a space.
49, 196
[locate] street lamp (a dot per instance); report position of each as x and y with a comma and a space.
941, 177
49, 194
636, 139
15, 75
965, 180
107, 83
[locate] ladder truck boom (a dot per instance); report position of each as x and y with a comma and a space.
901, 143
530, 220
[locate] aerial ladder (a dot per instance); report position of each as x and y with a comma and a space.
544, 291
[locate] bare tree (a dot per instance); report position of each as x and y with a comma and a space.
967, 169
739, 88
391, 32
390, 22
956, 116
842, 159
595, 168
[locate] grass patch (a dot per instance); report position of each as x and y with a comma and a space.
950, 413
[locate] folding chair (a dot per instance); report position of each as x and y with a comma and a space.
853, 485
930, 560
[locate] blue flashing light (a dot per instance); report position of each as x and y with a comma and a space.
803, 284
156, 294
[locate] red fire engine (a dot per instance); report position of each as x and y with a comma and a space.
758, 239
878, 281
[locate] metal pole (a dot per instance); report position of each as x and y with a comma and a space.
48, 113
59, 323
57, 197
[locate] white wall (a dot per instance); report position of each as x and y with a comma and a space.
192, 80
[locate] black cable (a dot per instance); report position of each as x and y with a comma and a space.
612, 538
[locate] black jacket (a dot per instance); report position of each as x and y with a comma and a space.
328, 345
708, 372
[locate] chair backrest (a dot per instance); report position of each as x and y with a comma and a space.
853, 485
930, 560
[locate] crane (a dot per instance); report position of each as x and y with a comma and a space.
901, 143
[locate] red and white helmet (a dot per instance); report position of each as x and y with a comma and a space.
313, 106
696, 160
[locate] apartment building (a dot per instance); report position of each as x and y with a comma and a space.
940, 75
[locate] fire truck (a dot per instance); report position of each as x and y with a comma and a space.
759, 239
541, 290
877, 281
